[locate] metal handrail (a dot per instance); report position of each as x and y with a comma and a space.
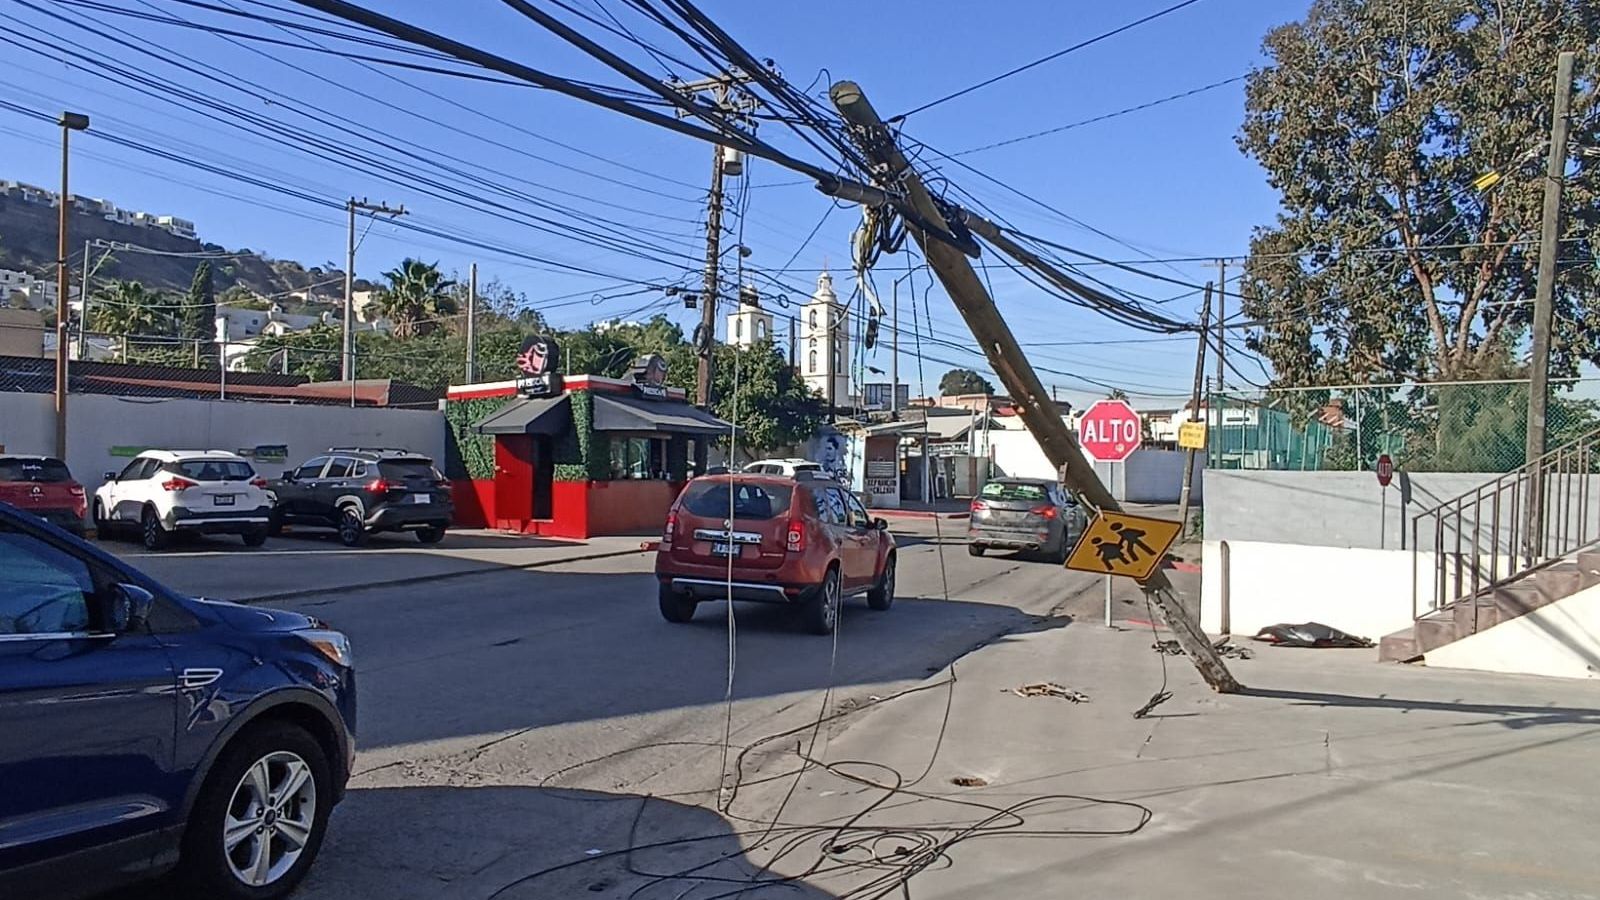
1530, 517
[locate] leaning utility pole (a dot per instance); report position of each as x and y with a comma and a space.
1222, 314
1039, 413
1544, 298
347, 368
1194, 410
723, 93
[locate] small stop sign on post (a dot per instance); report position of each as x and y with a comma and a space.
1110, 431
1385, 470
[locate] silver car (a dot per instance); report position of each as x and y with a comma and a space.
1029, 514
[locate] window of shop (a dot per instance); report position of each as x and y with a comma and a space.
638, 458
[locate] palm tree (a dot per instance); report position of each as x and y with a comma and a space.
126, 309
417, 297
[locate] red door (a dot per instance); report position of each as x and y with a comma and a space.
513, 479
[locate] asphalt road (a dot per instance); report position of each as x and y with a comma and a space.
477, 689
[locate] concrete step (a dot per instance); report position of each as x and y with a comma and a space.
1435, 630
1399, 647
1588, 566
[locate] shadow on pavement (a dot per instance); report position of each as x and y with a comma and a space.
1513, 715
523, 843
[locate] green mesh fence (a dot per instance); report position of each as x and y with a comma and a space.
1454, 427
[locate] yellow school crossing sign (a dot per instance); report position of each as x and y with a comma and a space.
1120, 544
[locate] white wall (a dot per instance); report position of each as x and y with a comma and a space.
96, 423
1560, 640
1362, 591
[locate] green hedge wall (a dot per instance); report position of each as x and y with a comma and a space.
468, 454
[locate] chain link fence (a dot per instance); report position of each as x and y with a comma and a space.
1433, 427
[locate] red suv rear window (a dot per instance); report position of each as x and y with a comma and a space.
46, 471
710, 499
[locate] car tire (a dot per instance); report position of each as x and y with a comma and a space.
152, 533
273, 754
255, 537
675, 607
821, 609
102, 525
352, 530
976, 549
881, 596
1063, 550
431, 534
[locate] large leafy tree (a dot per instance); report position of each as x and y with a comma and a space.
1393, 256
127, 308
755, 388
964, 381
417, 297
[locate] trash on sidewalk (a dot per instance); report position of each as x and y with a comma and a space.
1309, 634
1224, 647
1047, 689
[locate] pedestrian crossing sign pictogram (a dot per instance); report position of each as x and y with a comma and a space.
1120, 544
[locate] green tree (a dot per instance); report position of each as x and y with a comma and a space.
772, 407
200, 308
1406, 141
964, 381
417, 297
313, 353
127, 308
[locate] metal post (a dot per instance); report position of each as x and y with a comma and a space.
894, 349
1544, 297
1222, 315
69, 123
347, 356
1108, 601
83, 300
472, 324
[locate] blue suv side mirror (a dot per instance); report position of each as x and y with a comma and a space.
130, 608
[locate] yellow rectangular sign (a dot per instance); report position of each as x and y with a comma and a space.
1192, 435
1120, 544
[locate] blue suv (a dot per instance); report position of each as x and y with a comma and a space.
143, 732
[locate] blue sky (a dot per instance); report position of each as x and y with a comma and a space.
1166, 182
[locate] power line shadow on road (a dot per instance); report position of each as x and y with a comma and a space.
523, 843
1509, 715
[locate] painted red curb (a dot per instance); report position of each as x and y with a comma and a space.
649, 545
1183, 566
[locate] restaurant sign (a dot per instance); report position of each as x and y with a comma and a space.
537, 361
650, 376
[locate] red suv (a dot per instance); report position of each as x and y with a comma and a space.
766, 538
41, 485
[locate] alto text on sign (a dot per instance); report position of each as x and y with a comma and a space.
1110, 431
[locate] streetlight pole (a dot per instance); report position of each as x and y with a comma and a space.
69, 122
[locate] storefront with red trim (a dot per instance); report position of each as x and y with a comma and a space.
573, 457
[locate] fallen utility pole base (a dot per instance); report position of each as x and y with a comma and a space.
1034, 405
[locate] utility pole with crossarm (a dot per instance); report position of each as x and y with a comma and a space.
1038, 412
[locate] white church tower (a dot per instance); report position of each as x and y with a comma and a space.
749, 323
825, 342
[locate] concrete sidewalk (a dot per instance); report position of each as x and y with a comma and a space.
1333, 777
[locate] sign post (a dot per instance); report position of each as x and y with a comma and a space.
1385, 475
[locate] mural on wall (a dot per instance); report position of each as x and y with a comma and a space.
833, 451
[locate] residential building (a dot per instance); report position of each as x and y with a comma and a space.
825, 342
180, 227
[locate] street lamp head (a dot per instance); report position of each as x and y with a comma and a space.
74, 121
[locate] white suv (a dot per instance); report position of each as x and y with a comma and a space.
783, 467
198, 491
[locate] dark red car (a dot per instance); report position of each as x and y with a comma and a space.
41, 485
806, 542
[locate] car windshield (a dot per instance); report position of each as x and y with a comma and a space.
402, 469
1011, 490
214, 469
710, 499
39, 470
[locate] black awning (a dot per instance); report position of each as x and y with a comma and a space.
628, 414
544, 415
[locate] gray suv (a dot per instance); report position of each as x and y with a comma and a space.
1029, 514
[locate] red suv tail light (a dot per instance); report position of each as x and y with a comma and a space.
672, 526
795, 540
175, 483
378, 486
1048, 511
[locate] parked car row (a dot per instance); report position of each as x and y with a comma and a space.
159, 494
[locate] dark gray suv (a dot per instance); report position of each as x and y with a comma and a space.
362, 490
1031, 514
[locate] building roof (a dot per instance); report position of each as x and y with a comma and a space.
535, 415
37, 376
620, 413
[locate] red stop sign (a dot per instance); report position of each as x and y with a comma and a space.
1385, 470
1110, 431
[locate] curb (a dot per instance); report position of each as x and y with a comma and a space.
423, 579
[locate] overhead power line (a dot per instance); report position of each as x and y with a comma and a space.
1044, 59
